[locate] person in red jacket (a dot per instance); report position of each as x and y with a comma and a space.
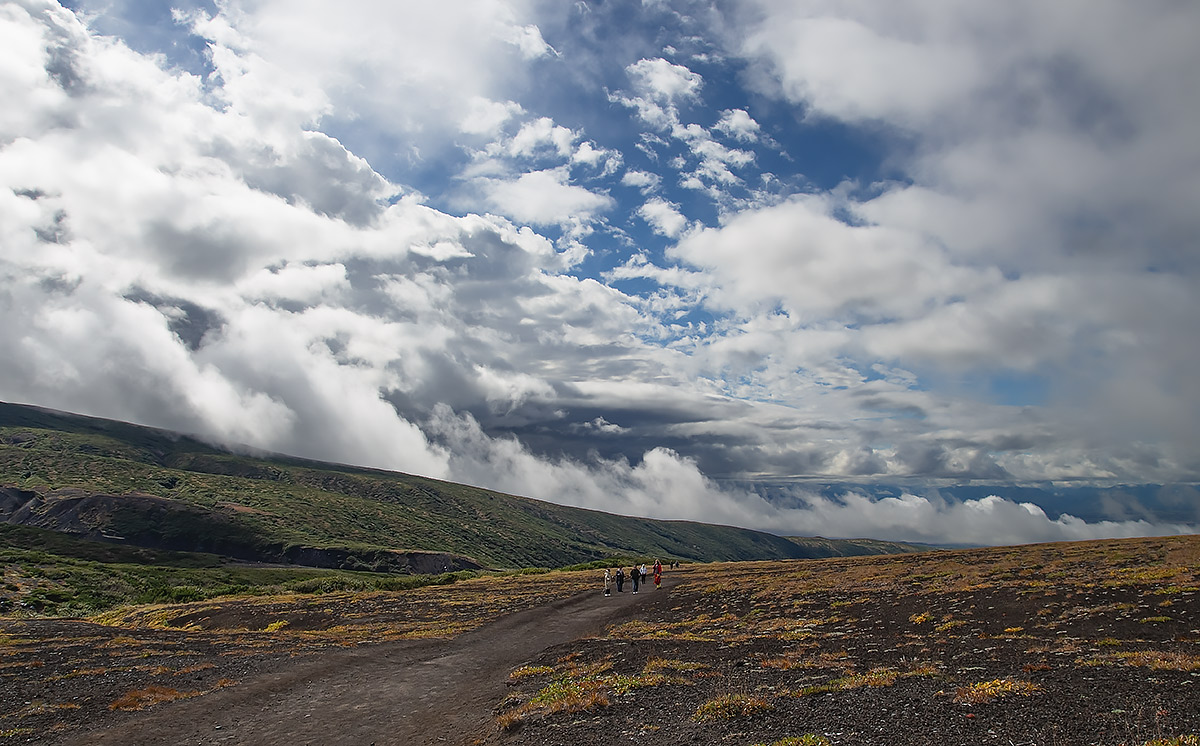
657, 574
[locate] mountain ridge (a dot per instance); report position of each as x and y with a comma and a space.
118, 481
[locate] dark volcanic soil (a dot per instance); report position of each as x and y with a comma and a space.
1082, 695
61, 679
1053, 646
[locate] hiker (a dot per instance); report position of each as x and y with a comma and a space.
657, 574
620, 580
636, 574
607, 580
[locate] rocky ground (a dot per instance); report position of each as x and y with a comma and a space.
875, 677
1051, 644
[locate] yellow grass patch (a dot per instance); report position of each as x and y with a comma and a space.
729, 706
989, 691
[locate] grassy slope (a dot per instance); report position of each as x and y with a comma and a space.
817, 546
279, 501
54, 574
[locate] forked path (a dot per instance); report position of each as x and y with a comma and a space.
421, 692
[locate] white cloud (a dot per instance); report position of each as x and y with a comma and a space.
643, 180
545, 198
797, 253
987, 521
868, 64
666, 485
664, 81
283, 348
542, 133
1032, 149
486, 117
715, 158
663, 216
739, 125
385, 67
529, 40
1041, 192
601, 425
308, 285
588, 154
660, 86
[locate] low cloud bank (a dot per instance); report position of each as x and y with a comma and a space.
991, 520
669, 486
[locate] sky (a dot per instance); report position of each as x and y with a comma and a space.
643, 256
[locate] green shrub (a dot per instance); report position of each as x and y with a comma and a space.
729, 706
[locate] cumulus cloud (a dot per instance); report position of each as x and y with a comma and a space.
739, 125
486, 117
1035, 178
529, 40
880, 66
379, 74
659, 87
664, 81
542, 133
643, 180
608, 161
707, 166
545, 198
799, 254
285, 350
663, 216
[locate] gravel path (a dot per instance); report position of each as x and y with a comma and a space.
413, 692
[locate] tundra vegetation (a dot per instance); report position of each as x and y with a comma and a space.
1092, 642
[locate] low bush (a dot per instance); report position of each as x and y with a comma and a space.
729, 706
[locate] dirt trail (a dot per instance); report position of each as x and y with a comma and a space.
417, 693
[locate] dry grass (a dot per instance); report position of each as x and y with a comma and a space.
984, 692
1158, 660
525, 672
729, 706
577, 686
661, 665
879, 676
561, 696
140, 699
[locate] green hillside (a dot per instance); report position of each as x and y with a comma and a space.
818, 546
120, 482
